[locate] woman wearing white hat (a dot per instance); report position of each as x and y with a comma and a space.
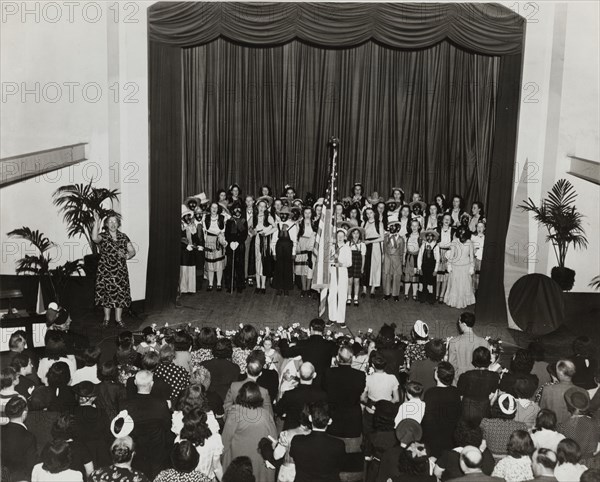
340, 261
187, 265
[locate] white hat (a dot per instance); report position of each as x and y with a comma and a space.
185, 210
507, 404
421, 329
126, 422
202, 197
53, 306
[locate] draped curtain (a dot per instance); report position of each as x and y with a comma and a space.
422, 120
387, 72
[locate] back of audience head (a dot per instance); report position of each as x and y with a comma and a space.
386, 338
184, 456
246, 338
239, 470
521, 362
584, 346
192, 397
108, 371
378, 360
63, 426
590, 475
565, 370
167, 353
144, 381
16, 408
481, 357
414, 389
59, 375
317, 325
57, 456
91, 356
207, 338
8, 377
546, 419
505, 407
255, 363
467, 433
124, 338
414, 460
150, 360
524, 388
55, 344
17, 341
471, 459
568, 452
467, 319
249, 396
182, 341
195, 427
319, 415
537, 351
543, 462
445, 373
345, 356
201, 376
223, 349
435, 350
22, 361
122, 450
520, 444
307, 373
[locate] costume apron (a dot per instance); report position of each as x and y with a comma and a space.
283, 275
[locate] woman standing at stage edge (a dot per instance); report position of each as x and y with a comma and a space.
112, 278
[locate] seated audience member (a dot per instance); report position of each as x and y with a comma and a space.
590, 475
471, 462
223, 372
17, 343
90, 357
390, 348
413, 465
407, 432
477, 386
422, 370
55, 466
318, 456
344, 387
379, 384
160, 389
244, 342
182, 342
415, 349
594, 394
551, 369
18, 447
381, 438
175, 376
443, 409
122, 452
191, 398
448, 466
544, 435
9, 379
460, 348
580, 427
501, 424
110, 393
55, 351
553, 396
152, 424
58, 395
269, 378
128, 360
239, 470
247, 423
254, 367
413, 407
23, 364
316, 350
208, 444
81, 457
543, 464
292, 403
527, 409
204, 346
149, 341
516, 467
568, 467
184, 459
521, 365
201, 376
281, 448
586, 364
540, 365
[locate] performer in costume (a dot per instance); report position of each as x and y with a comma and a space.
234, 194
265, 191
476, 216
264, 226
187, 265
428, 263
284, 248
191, 203
249, 262
353, 217
461, 267
303, 263
347, 203
398, 196
236, 233
478, 240
446, 232
415, 196
417, 208
432, 220
318, 208
357, 195
393, 210
413, 244
356, 235
276, 207
456, 211
198, 241
340, 261
222, 199
404, 220
373, 239
214, 236
381, 211
393, 261
289, 193
440, 202
338, 213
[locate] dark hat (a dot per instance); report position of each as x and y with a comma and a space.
408, 431
268, 200
420, 203
433, 232
284, 210
578, 399
391, 201
85, 389
148, 331
385, 411
56, 315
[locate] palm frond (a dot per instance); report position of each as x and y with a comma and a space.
38, 239
595, 283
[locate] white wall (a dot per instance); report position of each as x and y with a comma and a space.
101, 54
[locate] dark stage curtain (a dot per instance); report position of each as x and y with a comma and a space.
380, 66
422, 120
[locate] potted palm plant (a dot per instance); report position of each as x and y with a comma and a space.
559, 215
39, 264
78, 202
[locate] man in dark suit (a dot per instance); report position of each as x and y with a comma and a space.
223, 372
318, 456
160, 388
254, 368
315, 350
292, 403
19, 447
152, 427
471, 462
344, 386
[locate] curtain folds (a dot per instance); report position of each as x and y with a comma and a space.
484, 28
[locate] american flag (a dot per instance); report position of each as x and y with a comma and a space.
320, 281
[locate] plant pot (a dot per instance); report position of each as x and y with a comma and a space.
564, 277
90, 264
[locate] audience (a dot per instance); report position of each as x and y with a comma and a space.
223, 372
471, 462
568, 454
460, 348
516, 467
553, 396
55, 465
476, 387
254, 367
580, 426
544, 435
413, 407
18, 449
501, 424
122, 452
543, 464
422, 370
89, 371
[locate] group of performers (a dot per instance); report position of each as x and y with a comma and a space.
427, 252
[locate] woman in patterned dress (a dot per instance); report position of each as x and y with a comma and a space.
303, 263
112, 277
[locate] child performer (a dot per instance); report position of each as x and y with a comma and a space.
417, 208
456, 210
432, 220
428, 263
478, 240
198, 240
398, 195
187, 270
373, 239
303, 263
393, 255
214, 230
236, 232
446, 232
359, 250
413, 244
340, 261
264, 226
249, 262
461, 267
404, 220
393, 210
284, 249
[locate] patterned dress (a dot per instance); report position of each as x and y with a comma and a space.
112, 278
117, 474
